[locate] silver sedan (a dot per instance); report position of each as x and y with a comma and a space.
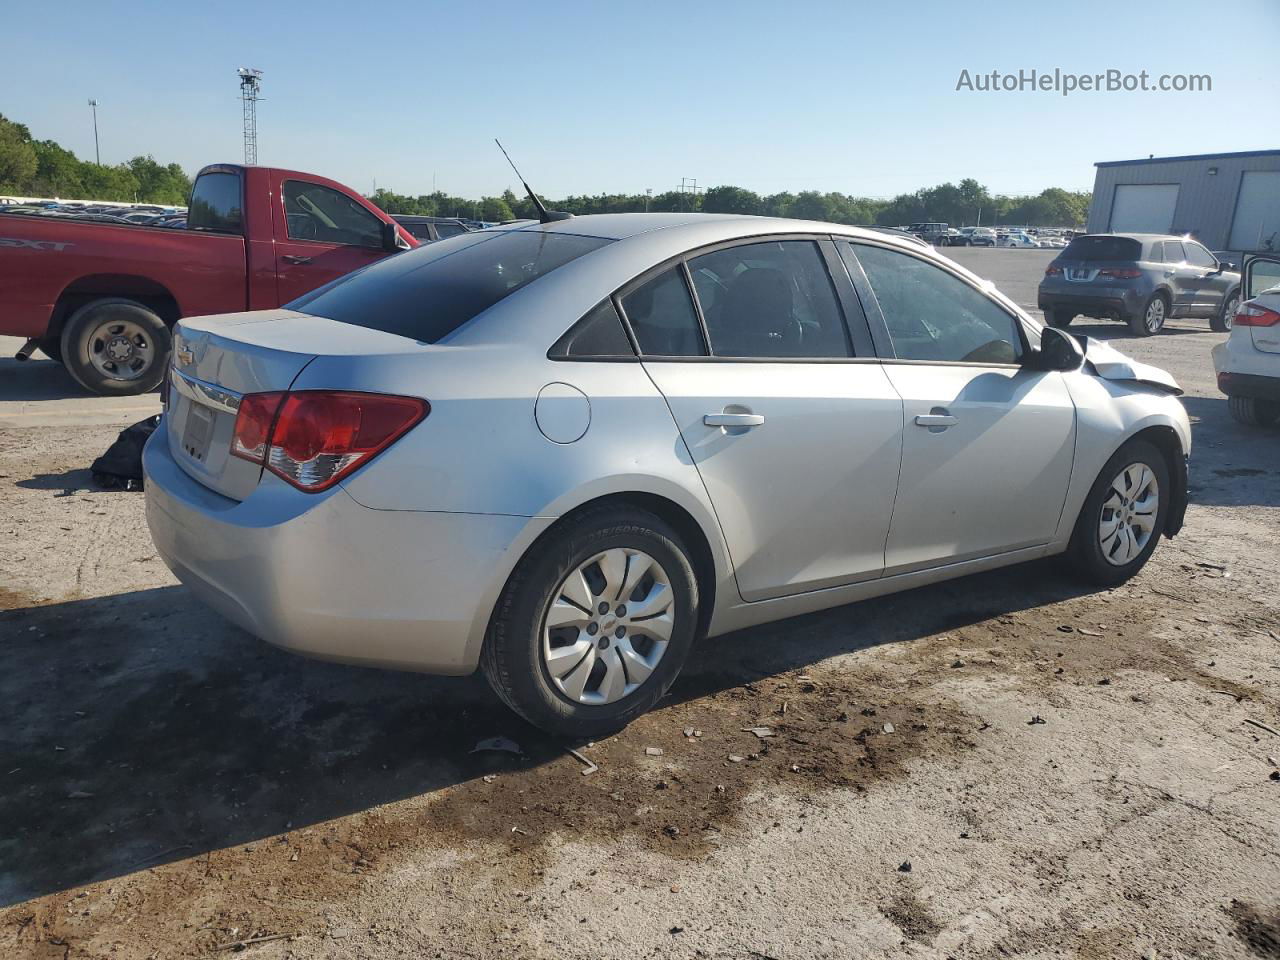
563, 451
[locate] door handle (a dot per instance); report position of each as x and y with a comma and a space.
290, 258
935, 420
733, 419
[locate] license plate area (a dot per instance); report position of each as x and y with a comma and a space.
197, 432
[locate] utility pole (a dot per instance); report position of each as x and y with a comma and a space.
648, 195
250, 90
689, 185
97, 156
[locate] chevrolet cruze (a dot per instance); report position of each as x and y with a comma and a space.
563, 451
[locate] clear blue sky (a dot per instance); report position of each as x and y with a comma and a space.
617, 97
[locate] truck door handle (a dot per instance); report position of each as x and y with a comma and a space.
943, 420
290, 258
733, 419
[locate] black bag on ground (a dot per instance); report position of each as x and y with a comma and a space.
120, 468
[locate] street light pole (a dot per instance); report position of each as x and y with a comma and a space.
97, 157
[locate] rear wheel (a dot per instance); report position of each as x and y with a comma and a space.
1121, 520
1059, 318
1226, 317
1253, 412
1151, 319
595, 623
115, 347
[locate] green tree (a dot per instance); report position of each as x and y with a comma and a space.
495, 209
58, 171
727, 199
18, 161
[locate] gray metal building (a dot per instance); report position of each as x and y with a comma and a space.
1228, 201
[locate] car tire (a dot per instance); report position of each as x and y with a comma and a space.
1059, 318
1222, 321
1105, 556
116, 347
568, 578
1253, 412
1150, 320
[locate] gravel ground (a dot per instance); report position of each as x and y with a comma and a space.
1000, 766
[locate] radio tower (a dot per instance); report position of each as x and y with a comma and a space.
250, 87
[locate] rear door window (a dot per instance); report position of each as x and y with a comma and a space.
426, 294
1102, 248
770, 300
216, 204
1173, 251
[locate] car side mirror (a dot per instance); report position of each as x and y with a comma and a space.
1227, 265
390, 237
1058, 351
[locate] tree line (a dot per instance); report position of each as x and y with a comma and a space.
30, 167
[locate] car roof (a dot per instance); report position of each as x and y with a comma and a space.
706, 226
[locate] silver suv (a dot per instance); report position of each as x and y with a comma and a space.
1140, 278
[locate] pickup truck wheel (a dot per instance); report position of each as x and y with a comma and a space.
116, 347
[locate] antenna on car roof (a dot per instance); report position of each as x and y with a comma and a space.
544, 215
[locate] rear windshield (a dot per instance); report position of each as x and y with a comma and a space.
428, 293
1103, 248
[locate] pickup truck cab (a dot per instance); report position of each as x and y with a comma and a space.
102, 297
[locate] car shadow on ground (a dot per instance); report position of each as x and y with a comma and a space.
67, 483
140, 728
37, 379
1121, 331
1231, 465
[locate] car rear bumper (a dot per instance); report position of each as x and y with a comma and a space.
1121, 303
321, 575
1249, 385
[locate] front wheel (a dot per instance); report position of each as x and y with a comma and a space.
1227, 315
1253, 412
1121, 520
595, 623
115, 347
1151, 319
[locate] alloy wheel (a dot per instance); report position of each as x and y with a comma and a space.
1129, 510
1229, 312
1155, 314
607, 626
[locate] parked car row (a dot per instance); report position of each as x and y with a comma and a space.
141, 214
945, 235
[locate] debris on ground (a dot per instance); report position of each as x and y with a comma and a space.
654, 751
1262, 726
761, 732
1036, 719
904, 866
888, 728
498, 745
587, 764
735, 758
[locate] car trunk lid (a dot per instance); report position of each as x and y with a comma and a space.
217, 360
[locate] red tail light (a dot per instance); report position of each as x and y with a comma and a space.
1053, 270
1120, 273
314, 438
1252, 315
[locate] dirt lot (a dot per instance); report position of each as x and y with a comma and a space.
1002, 766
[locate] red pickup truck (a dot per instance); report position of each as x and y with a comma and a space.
102, 297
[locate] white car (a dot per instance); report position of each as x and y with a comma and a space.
1017, 240
1248, 361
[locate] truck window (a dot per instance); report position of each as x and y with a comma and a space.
216, 204
313, 212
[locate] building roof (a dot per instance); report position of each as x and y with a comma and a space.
1194, 156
